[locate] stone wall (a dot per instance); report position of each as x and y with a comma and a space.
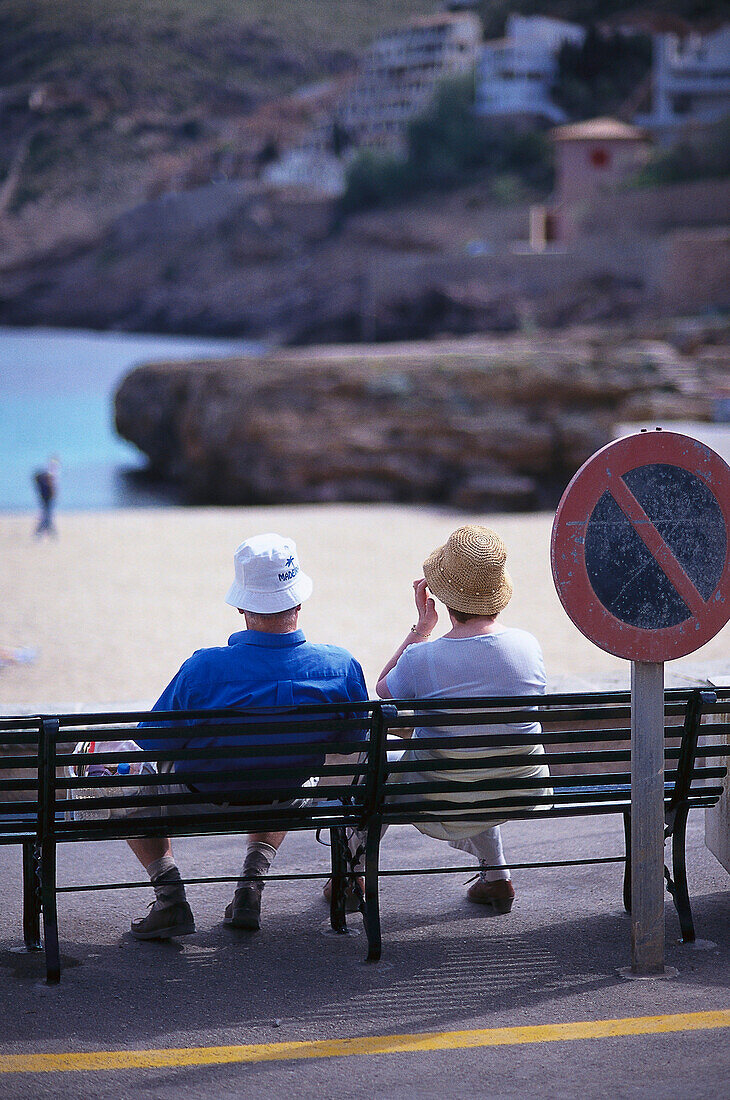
697, 270
659, 209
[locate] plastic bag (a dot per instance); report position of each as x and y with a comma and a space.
81, 770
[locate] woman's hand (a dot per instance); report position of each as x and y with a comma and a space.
426, 608
427, 619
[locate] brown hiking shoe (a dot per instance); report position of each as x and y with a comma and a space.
245, 909
500, 894
164, 920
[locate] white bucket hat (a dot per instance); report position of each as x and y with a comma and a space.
267, 576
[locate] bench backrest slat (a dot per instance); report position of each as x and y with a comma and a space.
587, 738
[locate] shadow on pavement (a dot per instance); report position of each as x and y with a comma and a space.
438, 969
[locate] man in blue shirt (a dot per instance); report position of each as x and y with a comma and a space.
268, 664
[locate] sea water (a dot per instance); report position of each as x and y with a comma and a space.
57, 398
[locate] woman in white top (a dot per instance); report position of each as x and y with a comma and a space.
476, 657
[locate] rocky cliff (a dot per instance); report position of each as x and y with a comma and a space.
502, 422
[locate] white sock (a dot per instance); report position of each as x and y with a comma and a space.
493, 875
487, 848
166, 881
160, 866
259, 857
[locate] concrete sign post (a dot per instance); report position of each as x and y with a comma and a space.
647, 818
640, 556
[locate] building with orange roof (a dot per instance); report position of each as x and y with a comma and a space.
591, 158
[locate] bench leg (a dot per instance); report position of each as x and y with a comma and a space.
338, 846
678, 884
372, 903
50, 917
31, 898
627, 865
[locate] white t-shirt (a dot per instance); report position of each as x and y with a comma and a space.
505, 662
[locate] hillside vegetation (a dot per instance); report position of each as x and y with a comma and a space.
92, 94
105, 106
673, 13
173, 53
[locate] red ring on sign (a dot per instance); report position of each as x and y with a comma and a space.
567, 547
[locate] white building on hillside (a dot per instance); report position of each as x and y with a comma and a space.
315, 171
400, 72
690, 79
514, 74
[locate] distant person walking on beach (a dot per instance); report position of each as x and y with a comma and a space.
46, 483
270, 663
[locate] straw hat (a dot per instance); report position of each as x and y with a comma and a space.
467, 573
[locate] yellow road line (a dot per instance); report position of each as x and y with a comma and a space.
375, 1044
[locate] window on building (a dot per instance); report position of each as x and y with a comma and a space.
599, 158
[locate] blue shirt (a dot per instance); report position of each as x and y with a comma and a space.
259, 670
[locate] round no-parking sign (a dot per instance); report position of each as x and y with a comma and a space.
640, 547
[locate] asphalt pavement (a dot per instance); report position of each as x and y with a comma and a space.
462, 1003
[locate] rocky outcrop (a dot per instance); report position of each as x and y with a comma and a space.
474, 423
240, 258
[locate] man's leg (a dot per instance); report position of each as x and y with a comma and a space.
170, 914
42, 525
245, 909
149, 848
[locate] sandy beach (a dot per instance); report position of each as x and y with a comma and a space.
116, 603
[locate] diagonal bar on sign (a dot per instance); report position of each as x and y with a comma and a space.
656, 545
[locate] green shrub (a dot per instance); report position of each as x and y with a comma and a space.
691, 160
446, 147
598, 76
507, 188
447, 141
376, 179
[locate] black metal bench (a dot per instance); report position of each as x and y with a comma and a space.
49, 813
587, 737
19, 811
588, 740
